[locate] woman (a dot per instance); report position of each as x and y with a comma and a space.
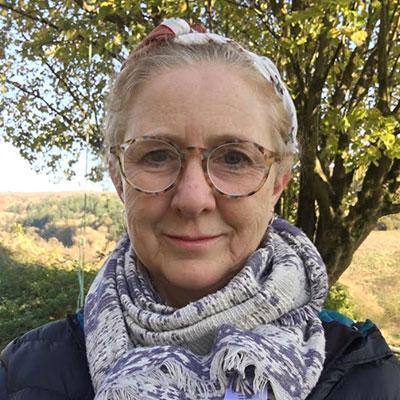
208, 296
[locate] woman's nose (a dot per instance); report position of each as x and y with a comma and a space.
192, 194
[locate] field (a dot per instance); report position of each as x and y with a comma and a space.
47, 242
373, 282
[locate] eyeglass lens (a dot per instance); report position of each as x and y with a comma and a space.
154, 165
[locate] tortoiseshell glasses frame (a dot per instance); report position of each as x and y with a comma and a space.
269, 157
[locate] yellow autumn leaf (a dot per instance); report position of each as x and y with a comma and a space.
334, 33
88, 7
182, 6
117, 39
359, 37
301, 41
50, 51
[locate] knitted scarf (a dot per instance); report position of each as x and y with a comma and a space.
260, 332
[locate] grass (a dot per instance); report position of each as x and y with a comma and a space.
373, 282
32, 294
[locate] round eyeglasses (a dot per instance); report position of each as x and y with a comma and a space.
153, 165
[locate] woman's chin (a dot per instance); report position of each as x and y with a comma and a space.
193, 282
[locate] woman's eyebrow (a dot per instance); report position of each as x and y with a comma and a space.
229, 137
210, 140
164, 135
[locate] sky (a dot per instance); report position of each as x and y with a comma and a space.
16, 175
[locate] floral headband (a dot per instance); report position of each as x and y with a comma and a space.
181, 32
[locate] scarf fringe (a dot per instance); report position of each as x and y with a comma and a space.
125, 393
168, 375
234, 363
185, 381
192, 387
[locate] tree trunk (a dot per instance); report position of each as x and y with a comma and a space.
308, 138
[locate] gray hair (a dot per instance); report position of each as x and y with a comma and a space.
137, 70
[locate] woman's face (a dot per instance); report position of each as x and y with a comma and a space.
191, 240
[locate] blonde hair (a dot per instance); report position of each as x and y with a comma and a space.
141, 66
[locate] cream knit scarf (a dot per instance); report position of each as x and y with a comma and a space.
261, 331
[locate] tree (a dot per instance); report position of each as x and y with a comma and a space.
339, 57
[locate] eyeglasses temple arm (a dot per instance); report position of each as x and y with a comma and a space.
114, 150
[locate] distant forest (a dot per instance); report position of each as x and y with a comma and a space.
65, 218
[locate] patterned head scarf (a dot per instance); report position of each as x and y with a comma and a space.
180, 31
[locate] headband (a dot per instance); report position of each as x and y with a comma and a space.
181, 32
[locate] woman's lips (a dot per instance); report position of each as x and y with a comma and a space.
193, 242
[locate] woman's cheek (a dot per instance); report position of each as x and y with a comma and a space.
144, 213
134, 213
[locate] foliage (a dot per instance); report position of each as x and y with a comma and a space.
340, 59
338, 299
63, 218
34, 294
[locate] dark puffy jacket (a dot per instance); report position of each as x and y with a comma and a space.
50, 363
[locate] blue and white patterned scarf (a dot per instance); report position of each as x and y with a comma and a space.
260, 332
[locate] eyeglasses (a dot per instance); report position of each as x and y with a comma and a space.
234, 169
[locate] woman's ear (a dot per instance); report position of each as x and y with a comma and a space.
115, 175
281, 182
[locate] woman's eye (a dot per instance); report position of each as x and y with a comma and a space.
234, 158
157, 156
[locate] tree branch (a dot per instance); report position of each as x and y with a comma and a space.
367, 72
396, 110
66, 84
323, 193
36, 95
364, 81
345, 80
29, 16
255, 6
394, 23
121, 21
383, 99
113, 18
340, 181
332, 61
389, 208
370, 197
322, 68
394, 70
61, 79
393, 175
